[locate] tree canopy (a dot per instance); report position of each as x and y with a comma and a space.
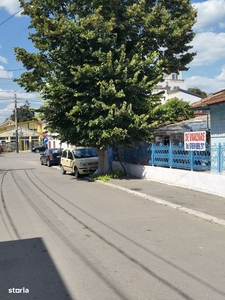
98, 63
172, 111
197, 91
24, 113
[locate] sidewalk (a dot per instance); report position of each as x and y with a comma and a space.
202, 205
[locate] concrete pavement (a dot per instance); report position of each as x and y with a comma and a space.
202, 205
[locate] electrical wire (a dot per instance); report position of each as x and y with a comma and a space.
14, 36
6, 78
11, 70
10, 17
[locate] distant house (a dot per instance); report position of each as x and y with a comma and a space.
29, 134
216, 104
174, 86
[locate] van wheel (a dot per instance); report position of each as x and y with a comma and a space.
76, 173
62, 170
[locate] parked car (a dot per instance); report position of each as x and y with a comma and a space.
40, 148
79, 160
51, 157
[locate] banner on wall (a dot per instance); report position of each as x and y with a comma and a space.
195, 141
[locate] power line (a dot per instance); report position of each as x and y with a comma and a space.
14, 36
12, 70
10, 17
6, 78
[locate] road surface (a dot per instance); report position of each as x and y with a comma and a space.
66, 238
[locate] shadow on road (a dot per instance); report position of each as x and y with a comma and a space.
27, 270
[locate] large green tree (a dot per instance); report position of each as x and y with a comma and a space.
99, 61
172, 111
24, 113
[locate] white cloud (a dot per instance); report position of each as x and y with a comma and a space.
221, 77
209, 85
3, 60
12, 6
210, 48
4, 73
20, 95
210, 14
6, 112
222, 25
7, 101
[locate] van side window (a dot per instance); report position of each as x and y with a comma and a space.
64, 154
70, 155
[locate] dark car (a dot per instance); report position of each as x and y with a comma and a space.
51, 157
40, 148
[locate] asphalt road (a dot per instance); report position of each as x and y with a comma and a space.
63, 238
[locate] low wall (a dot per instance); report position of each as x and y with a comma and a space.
201, 181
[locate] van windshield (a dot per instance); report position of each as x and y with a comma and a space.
84, 152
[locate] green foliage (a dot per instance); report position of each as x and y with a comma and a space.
99, 61
174, 110
24, 113
197, 92
106, 177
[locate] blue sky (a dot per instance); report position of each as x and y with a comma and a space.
206, 71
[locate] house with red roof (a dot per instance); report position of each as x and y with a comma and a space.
215, 103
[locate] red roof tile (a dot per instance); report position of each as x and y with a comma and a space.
214, 98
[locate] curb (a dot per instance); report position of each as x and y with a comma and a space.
189, 211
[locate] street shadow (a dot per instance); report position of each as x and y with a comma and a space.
28, 272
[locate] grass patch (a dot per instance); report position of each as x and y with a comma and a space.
105, 177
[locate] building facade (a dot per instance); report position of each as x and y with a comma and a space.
29, 135
174, 86
215, 103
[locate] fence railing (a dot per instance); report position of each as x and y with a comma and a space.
175, 156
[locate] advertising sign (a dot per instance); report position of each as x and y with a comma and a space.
195, 141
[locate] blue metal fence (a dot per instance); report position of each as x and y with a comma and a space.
175, 156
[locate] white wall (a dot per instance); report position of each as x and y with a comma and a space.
201, 181
54, 143
171, 87
172, 82
185, 96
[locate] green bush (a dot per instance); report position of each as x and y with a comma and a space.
105, 177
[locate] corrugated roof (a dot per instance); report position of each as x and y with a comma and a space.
200, 123
218, 97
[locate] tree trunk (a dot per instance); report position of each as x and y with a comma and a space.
103, 162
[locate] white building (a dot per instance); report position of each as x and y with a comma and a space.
174, 86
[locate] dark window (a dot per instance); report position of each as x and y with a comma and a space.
64, 154
70, 155
85, 152
174, 76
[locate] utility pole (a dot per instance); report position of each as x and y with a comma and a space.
17, 139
